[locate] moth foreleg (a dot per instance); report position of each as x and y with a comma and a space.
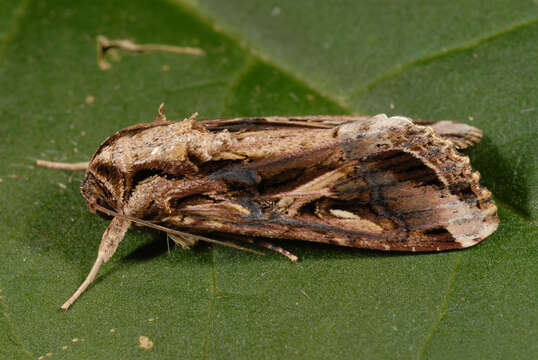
109, 243
89, 279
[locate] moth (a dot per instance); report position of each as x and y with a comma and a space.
384, 183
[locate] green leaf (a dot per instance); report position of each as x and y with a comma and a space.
468, 61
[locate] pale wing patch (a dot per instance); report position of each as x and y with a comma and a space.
356, 220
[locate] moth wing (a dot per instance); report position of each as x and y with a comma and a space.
461, 135
277, 122
384, 184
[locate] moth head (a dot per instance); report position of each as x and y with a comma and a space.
103, 185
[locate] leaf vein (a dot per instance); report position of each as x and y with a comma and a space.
211, 309
443, 308
235, 81
344, 102
255, 54
442, 53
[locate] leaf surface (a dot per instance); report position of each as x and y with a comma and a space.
467, 61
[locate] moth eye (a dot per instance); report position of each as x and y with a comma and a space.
95, 190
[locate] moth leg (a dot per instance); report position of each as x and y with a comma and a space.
89, 279
161, 117
109, 243
185, 241
160, 114
193, 116
63, 166
293, 258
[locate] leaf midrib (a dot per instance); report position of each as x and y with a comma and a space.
233, 35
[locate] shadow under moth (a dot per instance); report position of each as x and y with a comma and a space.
385, 183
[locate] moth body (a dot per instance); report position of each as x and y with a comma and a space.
384, 183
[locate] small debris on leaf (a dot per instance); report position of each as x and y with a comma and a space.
145, 342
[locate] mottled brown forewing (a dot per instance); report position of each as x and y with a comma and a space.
379, 183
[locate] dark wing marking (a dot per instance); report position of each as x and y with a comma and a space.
418, 194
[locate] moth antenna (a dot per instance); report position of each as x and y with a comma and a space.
109, 243
172, 231
80, 166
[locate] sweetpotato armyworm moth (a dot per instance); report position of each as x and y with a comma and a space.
386, 183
